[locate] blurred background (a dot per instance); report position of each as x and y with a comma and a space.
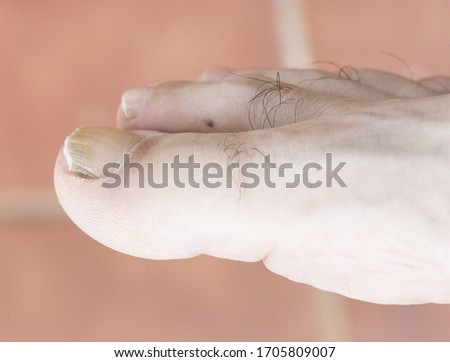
64, 64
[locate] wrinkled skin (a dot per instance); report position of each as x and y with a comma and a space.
384, 238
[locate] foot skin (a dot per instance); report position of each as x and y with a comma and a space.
380, 235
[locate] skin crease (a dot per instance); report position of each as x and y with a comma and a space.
384, 238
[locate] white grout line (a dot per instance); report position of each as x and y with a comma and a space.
295, 52
30, 205
292, 34
333, 316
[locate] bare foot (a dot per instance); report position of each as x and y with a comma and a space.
367, 217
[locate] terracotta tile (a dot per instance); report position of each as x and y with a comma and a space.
358, 33
371, 322
58, 284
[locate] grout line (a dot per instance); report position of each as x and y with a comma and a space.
295, 52
333, 316
30, 205
292, 34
